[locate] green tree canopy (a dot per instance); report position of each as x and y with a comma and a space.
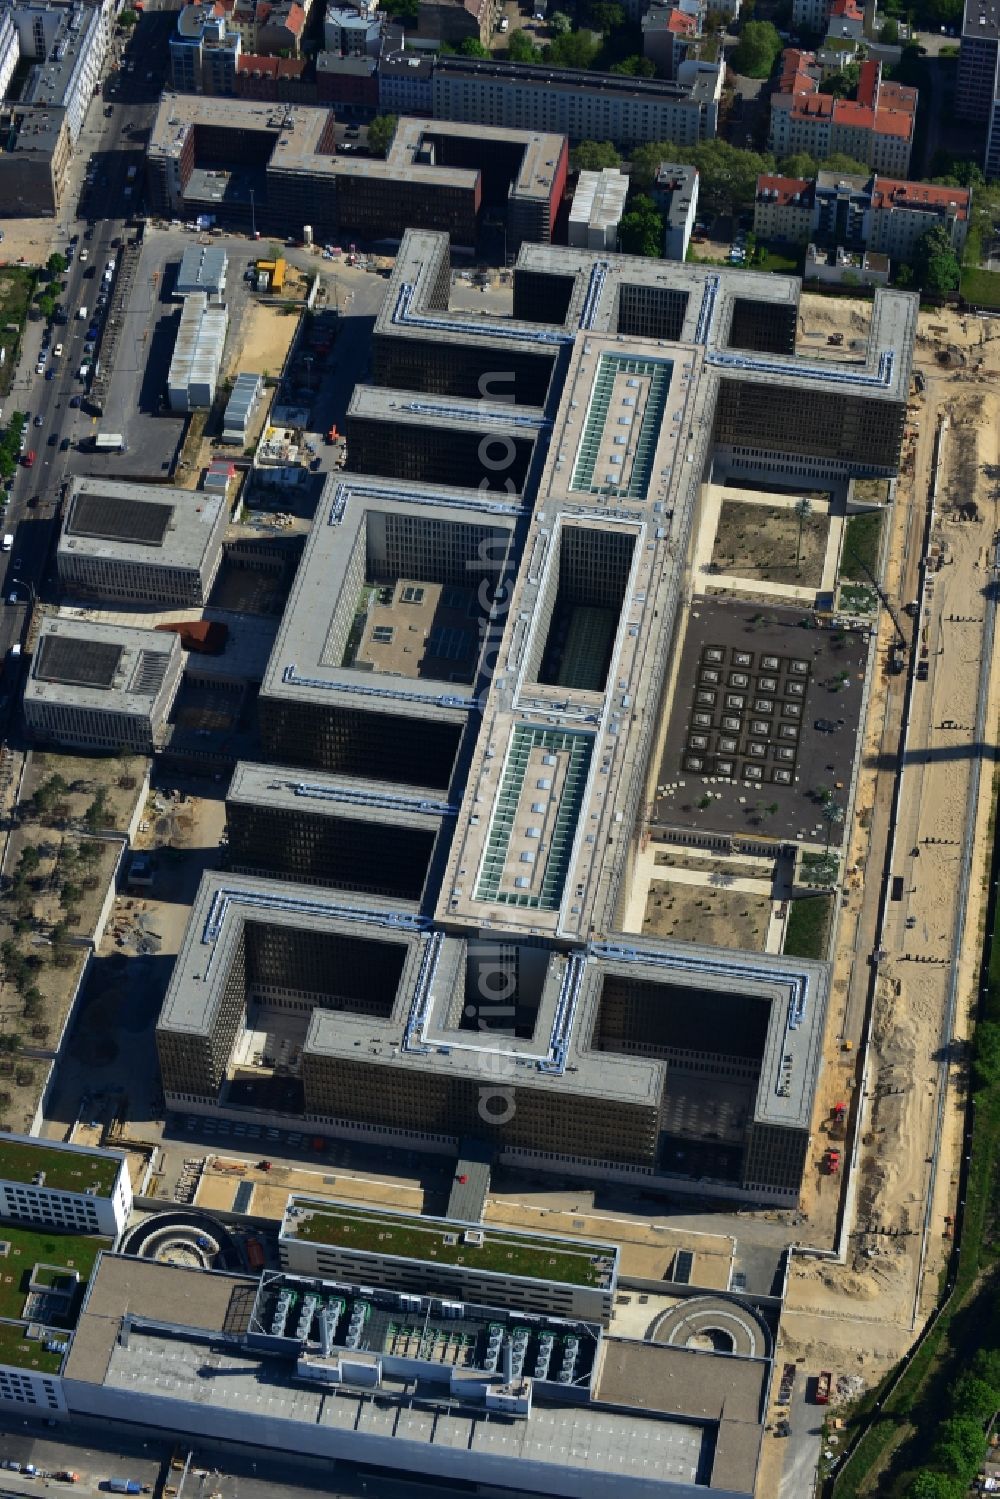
380, 134
641, 229
128, 18
635, 67
757, 49
56, 264
473, 47
929, 1485
728, 175
843, 84
405, 10
889, 32
559, 23
602, 15
520, 48
848, 165
799, 164
974, 1397
935, 262
576, 49
959, 1447
594, 156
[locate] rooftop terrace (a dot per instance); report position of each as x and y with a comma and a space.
65, 1170
407, 1237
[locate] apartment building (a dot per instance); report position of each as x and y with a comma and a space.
51, 1184
205, 50
578, 104
979, 50
99, 687
876, 127
675, 193
140, 544
667, 34
859, 213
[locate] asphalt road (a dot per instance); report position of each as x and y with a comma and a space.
113, 141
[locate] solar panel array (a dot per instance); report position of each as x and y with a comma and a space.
75, 662
111, 518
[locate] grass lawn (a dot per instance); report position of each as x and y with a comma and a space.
808, 928
859, 558
28, 1353
16, 287
981, 288
413, 1238
31, 1247
784, 262
65, 1170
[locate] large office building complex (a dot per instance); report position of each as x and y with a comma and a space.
439, 176
101, 687
142, 544
466, 689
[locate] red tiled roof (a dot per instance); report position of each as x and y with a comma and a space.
271, 67
848, 8
781, 190
855, 116
295, 19
869, 79
678, 21
898, 96
794, 78
892, 193
816, 107
897, 122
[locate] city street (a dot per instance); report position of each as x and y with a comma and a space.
115, 142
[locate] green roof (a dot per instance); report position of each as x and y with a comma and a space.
22, 1352
28, 1247
65, 1170
435, 1240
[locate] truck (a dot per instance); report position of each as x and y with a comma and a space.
823, 1382
125, 1486
107, 442
8, 542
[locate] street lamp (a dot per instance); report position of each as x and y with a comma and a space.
253, 216
23, 583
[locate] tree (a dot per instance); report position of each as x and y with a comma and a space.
833, 814
728, 176
843, 84
593, 156
380, 134
935, 263
29, 860
603, 15
848, 166
520, 48
128, 19
970, 1395
473, 47
641, 229
407, 11
575, 49
959, 1447
889, 32
56, 264
803, 510
560, 23
646, 160
928, 1485
635, 67
47, 306
799, 164
757, 49
904, 276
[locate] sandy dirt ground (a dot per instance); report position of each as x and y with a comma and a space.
753, 541
692, 913
224, 1173
265, 337
859, 1318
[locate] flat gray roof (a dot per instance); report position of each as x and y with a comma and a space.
304, 665
99, 666
318, 794
144, 524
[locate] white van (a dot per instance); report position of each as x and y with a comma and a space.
81, 312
